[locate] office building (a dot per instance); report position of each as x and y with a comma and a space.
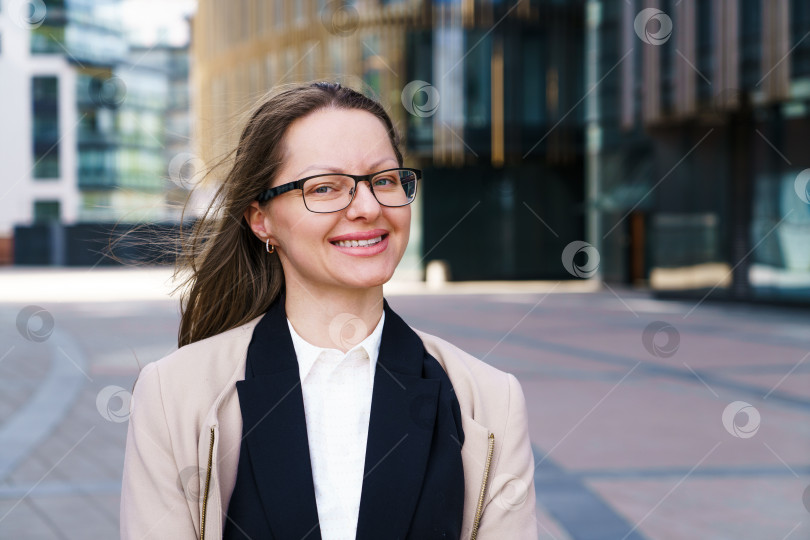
84, 135
486, 95
698, 175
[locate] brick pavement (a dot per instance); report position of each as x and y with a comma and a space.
632, 445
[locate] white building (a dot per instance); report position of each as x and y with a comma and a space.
36, 183
83, 123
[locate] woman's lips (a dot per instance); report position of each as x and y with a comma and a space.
364, 251
360, 235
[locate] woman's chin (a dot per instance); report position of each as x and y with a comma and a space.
366, 274
368, 281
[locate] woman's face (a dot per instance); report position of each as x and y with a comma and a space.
349, 141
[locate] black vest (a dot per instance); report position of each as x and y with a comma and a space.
413, 482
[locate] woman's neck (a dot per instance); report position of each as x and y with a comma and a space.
337, 320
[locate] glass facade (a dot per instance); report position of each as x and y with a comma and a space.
508, 101
477, 87
419, 58
750, 39
90, 34
706, 36
699, 188
88, 31
799, 40
98, 136
473, 87
48, 37
122, 143
45, 126
534, 82
124, 104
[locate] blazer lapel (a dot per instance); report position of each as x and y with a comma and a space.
275, 429
403, 413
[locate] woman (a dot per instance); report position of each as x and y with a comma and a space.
299, 405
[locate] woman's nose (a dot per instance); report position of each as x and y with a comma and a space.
364, 200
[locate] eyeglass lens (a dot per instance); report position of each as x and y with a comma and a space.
334, 192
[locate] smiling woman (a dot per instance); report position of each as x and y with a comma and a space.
272, 420
305, 224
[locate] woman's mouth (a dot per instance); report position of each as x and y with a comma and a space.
372, 246
360, 243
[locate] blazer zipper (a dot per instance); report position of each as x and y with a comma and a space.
207, 484
479, 509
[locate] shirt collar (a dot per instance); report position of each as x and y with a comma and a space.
307, 353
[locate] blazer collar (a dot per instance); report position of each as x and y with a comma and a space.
274, 429
403, 414
400, 432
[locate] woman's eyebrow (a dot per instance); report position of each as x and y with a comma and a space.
339, 170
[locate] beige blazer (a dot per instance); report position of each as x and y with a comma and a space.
185, 429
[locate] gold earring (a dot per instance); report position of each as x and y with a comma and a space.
268, 247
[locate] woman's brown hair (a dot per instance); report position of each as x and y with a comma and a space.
230, 278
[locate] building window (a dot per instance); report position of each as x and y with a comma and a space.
705, 48
751, 40
46, 211
532, 81
799, 40
477, 79
667, 52
48, 26
419, 61
45, 114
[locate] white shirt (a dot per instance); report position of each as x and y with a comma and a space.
337, 403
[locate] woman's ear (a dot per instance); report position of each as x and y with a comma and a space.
257, 220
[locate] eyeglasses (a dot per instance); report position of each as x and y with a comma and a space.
331, 192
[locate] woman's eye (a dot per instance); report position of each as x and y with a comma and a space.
321, 189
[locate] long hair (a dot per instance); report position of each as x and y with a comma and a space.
230, 278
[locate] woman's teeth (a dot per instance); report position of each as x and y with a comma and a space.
359, 243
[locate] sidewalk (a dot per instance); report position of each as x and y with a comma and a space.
118, 284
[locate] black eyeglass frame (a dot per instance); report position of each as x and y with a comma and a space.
268, 194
